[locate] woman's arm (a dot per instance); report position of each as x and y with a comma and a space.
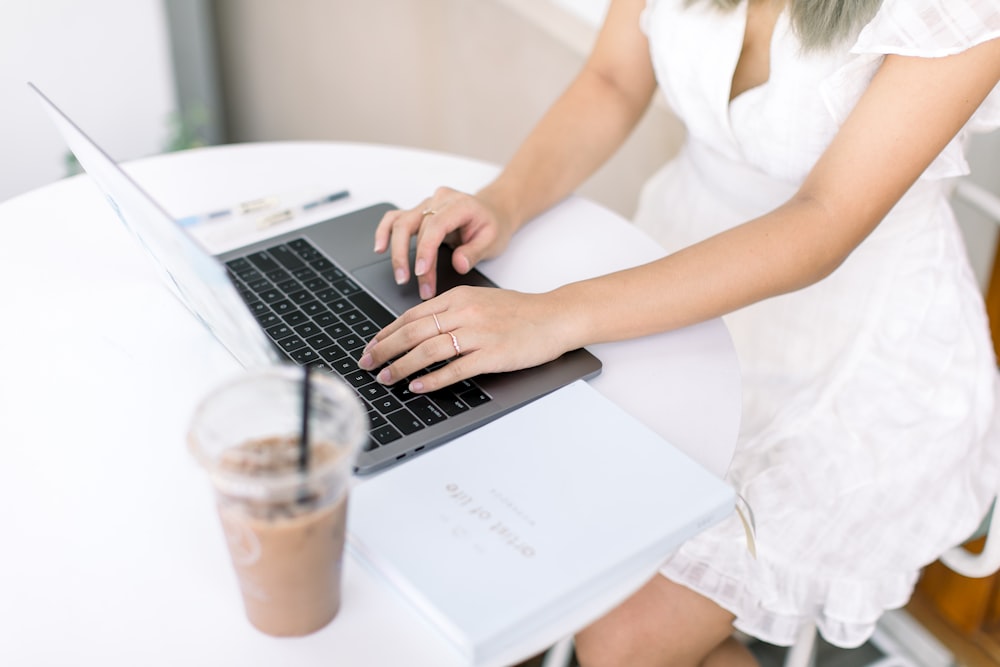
911, 110
579, 132
586, 125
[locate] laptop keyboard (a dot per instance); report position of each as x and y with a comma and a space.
316, 315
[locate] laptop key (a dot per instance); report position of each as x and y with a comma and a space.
335, 353
258, 308
475, 397
312, 308
404, 421
366, 329
294, 317
304, 356
279, 331
401, 390
291, 343
321, 264
338, 329
307, 328
375, 420
301, 296
383, 435
263, 261
373, 391
359, 378
319, 341
239, 264
270, 296
340, 306
333, 274
343, 366
351, 342
449, 403
278, 275
352, 317
314, 284
372, 308
386, 404
326, 319
259, 284
347, 287
282, 307
302, 245
267, 319
287, 257
327, 295
306, 275
247, 274
426, 411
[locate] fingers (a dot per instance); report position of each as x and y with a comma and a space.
418, 340
449, 216
465, 332
394, 232
446, 213
478, 246
429, 239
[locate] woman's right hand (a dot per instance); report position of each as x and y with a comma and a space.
475, 228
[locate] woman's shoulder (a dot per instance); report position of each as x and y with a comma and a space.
929, 28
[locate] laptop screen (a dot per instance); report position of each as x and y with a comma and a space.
192, 274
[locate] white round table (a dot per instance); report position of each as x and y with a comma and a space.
112, 552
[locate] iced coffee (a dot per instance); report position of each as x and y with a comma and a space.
284, 520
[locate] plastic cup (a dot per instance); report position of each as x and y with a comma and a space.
284, 524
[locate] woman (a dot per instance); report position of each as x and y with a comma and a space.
809, 207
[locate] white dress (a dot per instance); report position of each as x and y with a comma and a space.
870, 440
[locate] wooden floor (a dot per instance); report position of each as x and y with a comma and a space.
980, 650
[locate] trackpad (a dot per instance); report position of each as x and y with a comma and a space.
379, 279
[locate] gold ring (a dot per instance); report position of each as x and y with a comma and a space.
426, 212
436, 323
454, 342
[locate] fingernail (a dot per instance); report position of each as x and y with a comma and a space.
400, 276
420, 267
416, 386
384, 376
425, 291
365, 361
369, 346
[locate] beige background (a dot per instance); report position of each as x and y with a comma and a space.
464, 76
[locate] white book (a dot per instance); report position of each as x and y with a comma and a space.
520, 522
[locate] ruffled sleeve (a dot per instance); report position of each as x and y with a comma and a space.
930, 28
925, 28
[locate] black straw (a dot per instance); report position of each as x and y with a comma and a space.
304, 439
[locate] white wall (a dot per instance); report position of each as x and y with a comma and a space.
105, 62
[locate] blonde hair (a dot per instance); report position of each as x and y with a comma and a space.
819, 24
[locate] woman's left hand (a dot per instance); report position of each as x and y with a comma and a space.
483, 329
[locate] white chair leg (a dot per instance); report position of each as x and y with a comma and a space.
559, 655
802, 653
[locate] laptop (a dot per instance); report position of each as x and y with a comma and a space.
315, 296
